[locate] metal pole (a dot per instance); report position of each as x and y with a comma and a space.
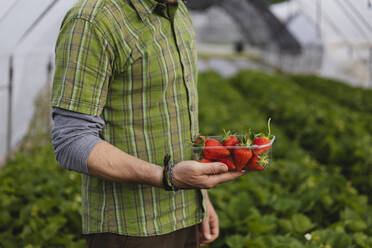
10, 106
50, 79
318, 18
370, 67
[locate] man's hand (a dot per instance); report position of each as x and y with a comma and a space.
209, 228
192, 174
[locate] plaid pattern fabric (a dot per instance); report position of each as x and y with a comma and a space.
134, 63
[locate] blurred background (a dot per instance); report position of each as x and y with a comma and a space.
305, 63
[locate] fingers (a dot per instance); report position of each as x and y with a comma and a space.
209, 227
213, 222
192, 174
213, 168
214, 227
205, 232
225, 177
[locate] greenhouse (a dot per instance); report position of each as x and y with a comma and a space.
296, 72
306, 38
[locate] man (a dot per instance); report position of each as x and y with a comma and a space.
124, 99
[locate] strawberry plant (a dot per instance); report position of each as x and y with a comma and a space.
39, 202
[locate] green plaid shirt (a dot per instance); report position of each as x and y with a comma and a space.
134, 63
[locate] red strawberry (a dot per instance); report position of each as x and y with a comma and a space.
241, 157
204, 160
258, 162
231, 141
200, 140
260, 141
263, 139
213, 150
229, 162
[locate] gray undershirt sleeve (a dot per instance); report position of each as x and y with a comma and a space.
73, 137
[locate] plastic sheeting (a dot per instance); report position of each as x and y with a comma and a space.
215, 26
257, 25
31, 29
344, 28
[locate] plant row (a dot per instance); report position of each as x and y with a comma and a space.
355, 98
331, 133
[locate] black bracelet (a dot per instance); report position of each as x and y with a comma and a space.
168, 175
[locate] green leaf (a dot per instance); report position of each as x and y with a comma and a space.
361, 239
235, 241
254, 244
264, 224
301, 223
287, 205
285, 225
356, 225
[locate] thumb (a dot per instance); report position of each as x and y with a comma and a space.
213, 168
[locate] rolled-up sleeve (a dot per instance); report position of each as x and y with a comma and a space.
83, 67
74, 135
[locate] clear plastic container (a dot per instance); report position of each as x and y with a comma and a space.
239, 155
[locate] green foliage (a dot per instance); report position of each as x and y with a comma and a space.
330, 132
39, 203
299, 194
355, 98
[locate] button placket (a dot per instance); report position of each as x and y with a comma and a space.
187, 80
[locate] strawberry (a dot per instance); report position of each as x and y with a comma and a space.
230, 140
200, 140
241, 157
213, 150
243, 154
204, 160
229, 162
261, 140
258, 162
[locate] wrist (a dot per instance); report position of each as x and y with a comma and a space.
151, 175
158, 177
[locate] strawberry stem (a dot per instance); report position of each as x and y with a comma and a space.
268, 126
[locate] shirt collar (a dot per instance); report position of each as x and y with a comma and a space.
145, 8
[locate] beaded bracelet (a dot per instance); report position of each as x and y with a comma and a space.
168, 175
